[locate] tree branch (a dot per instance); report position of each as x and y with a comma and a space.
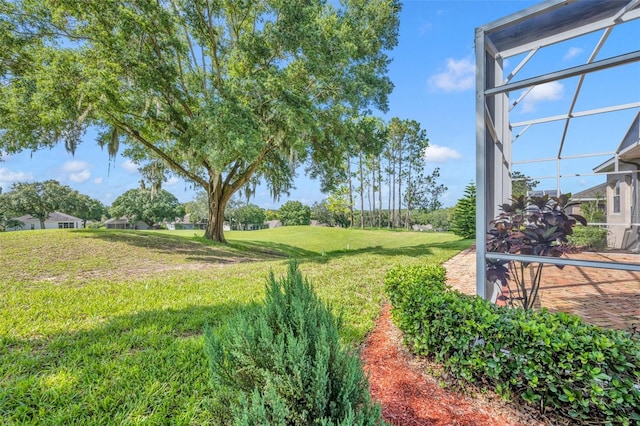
244, 177
214, 48
160, 153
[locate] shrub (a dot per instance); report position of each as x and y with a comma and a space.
281, 363
551, 360
463, 218
589, 238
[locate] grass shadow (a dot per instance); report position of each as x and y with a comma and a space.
146, 367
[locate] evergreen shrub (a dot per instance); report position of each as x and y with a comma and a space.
463, 217
281, 363
555, 361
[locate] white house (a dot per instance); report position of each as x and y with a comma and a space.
56, 220
622, 194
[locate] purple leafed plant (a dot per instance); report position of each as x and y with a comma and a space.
536, 226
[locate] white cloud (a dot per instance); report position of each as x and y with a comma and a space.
80, 177
98, 180
572, 53
172, 181
440, 154
130, 166
74, 166
459, 76
545, 92
7, 177
78, 170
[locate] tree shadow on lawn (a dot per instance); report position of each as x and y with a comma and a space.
148, 366
272, 249
410, 251
194, 248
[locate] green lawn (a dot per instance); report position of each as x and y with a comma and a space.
105, 327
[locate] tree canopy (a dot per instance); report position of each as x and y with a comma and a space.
86, 208
148, 206
294, 213
521, 184
250, 214
224, 94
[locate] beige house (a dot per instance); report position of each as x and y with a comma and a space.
621, 191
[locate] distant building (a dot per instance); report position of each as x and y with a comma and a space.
124, 223
595, 194
273, 224
56, 220
180, 223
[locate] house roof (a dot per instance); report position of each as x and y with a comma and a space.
628, 150
590, 193
53, 217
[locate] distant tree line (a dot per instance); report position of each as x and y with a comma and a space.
40, 199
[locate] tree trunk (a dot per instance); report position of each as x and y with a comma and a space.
361, 190
379, 192
392, 198
372, 194
409, 199
41, 223
399, 224
215, 217
351, 220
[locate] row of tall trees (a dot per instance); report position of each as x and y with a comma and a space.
387, 171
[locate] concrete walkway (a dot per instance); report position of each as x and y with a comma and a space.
604, 297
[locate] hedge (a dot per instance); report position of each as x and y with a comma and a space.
549, 359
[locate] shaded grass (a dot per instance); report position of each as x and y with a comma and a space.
105, 327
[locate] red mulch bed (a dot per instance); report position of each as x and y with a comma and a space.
409, 396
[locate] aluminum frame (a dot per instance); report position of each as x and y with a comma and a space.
528, 31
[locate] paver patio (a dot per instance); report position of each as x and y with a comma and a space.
604, 297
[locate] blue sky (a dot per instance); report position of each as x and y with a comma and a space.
433, 73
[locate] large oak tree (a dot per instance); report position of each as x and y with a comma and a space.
223, 93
